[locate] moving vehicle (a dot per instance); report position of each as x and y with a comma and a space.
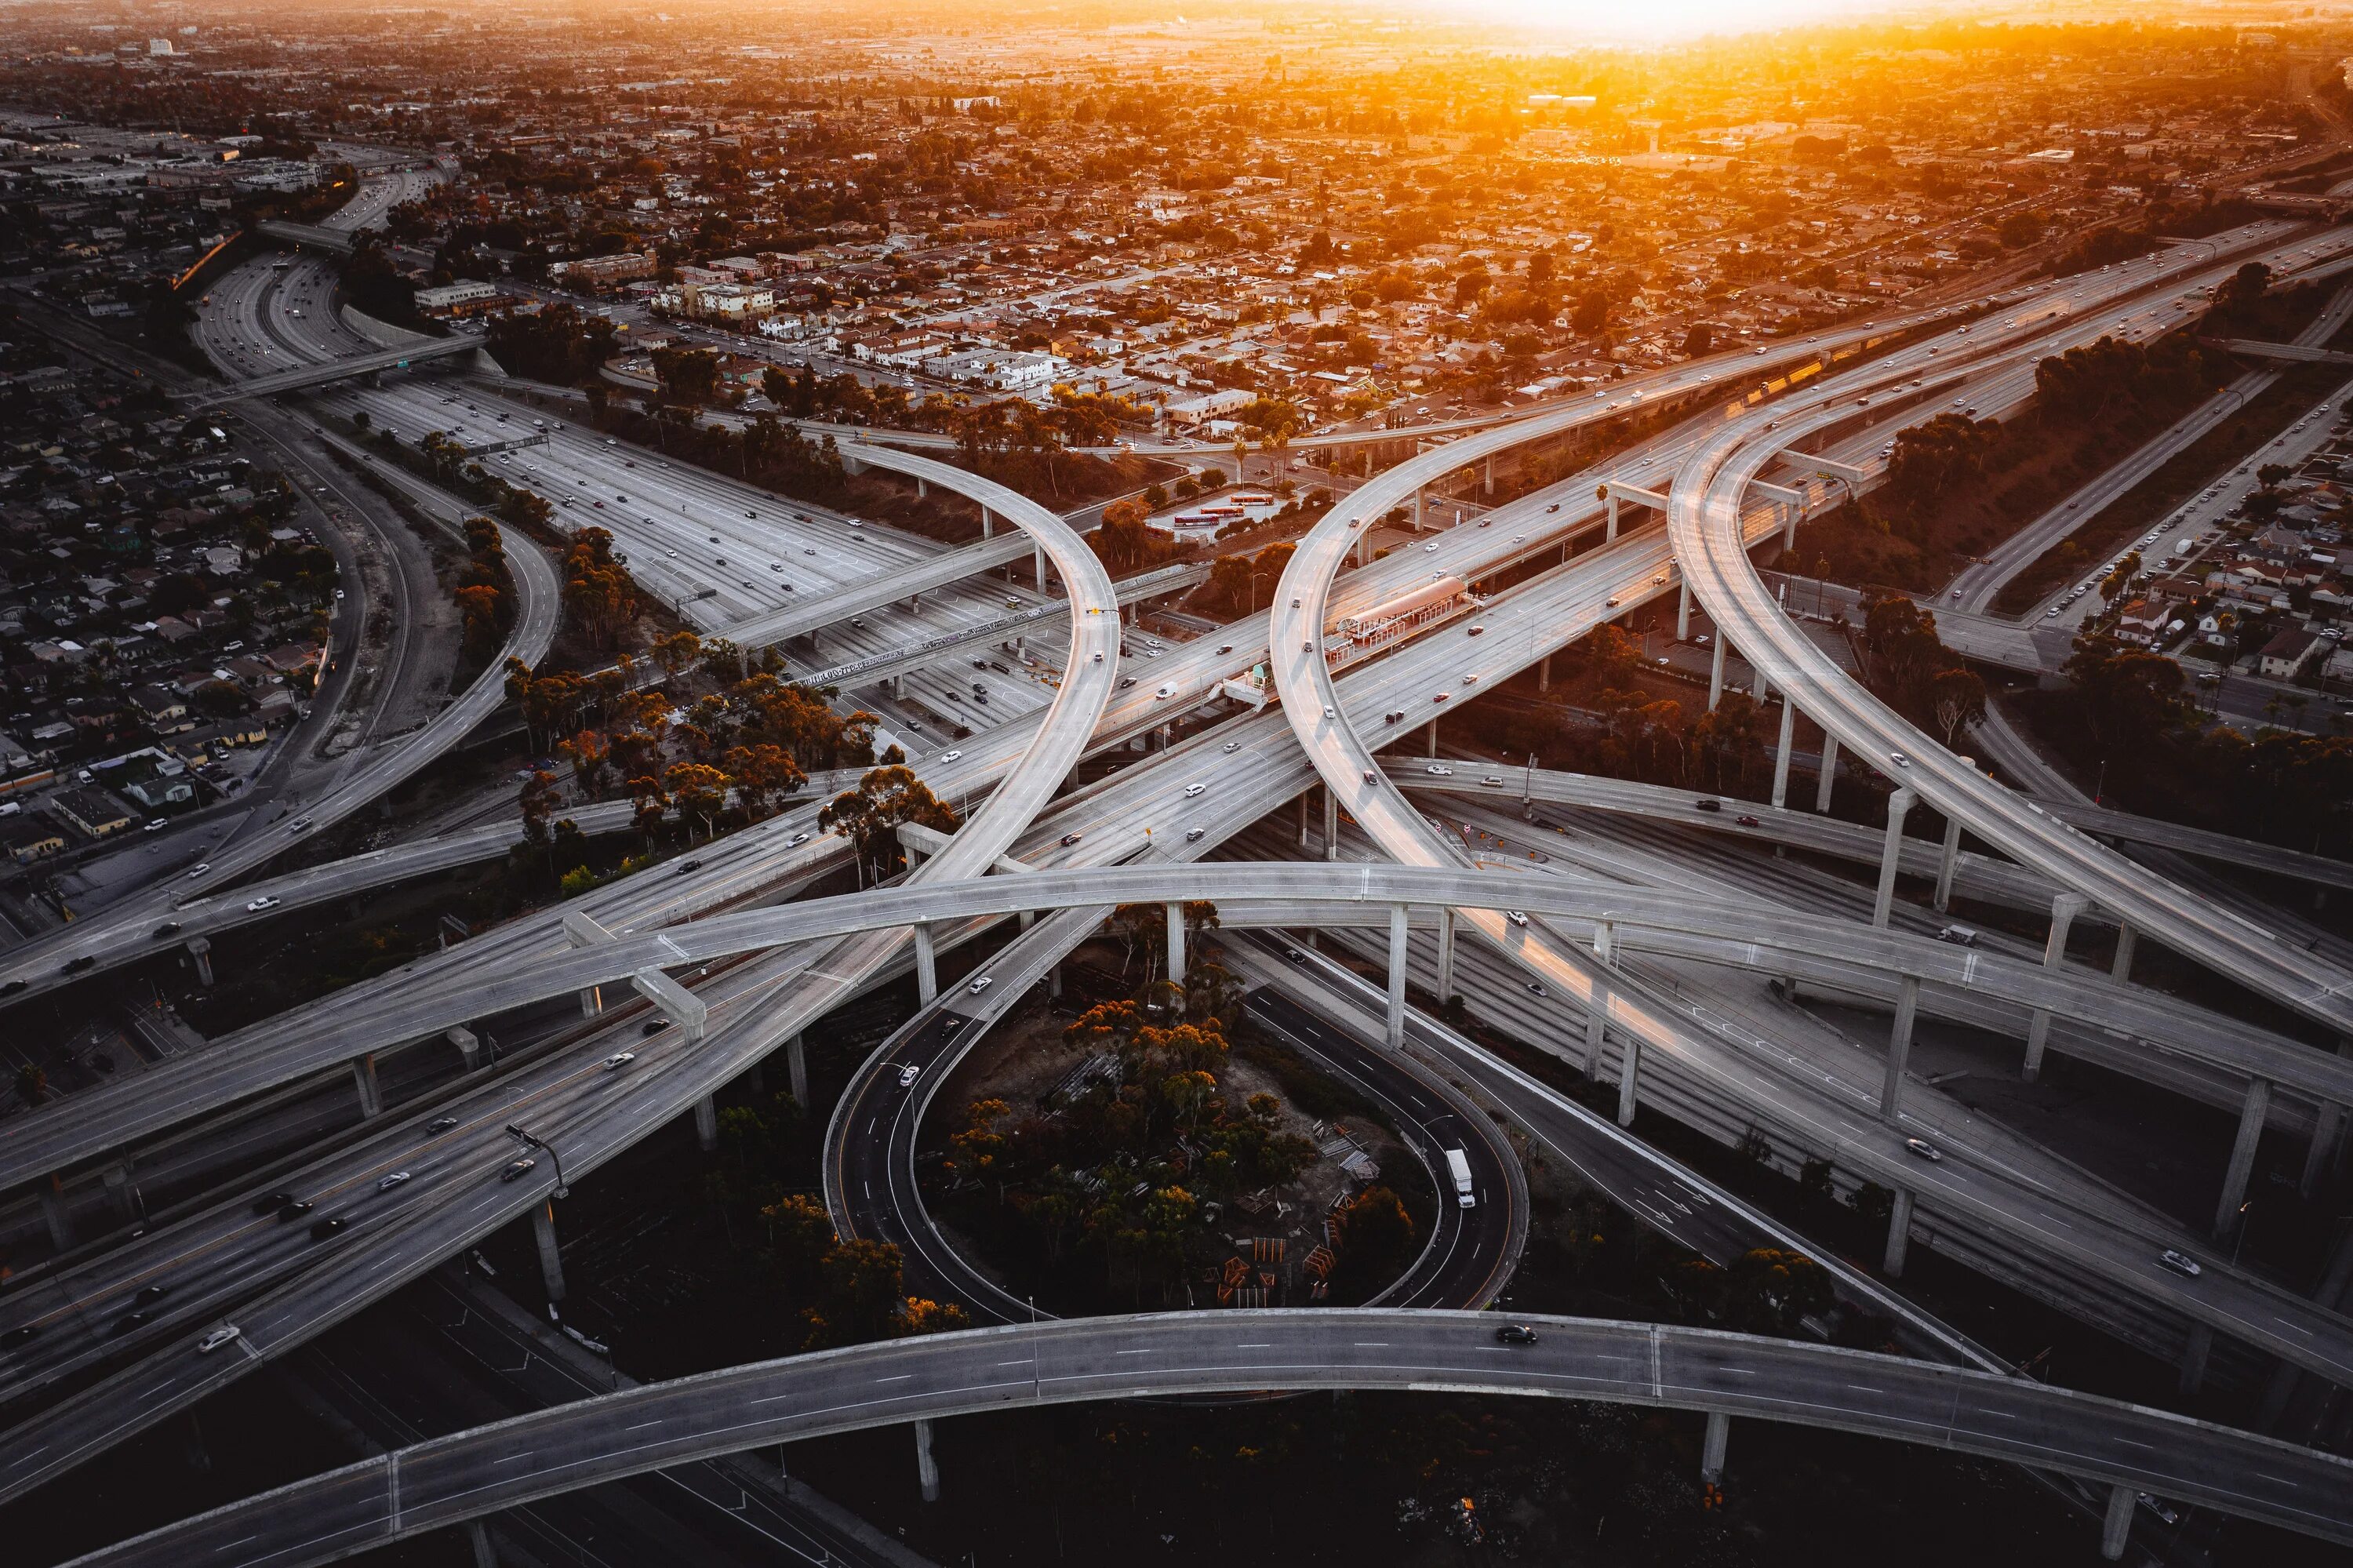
908, 1074
1520, 1333
515, 1168
2180, 1263
619, 1060
392, 1180
1459, 1164
1924, 1149
221, 1336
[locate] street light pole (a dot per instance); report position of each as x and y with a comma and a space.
532, 1141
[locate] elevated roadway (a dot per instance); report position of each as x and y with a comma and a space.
447, 1482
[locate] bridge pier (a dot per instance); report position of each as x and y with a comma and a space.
2120, 969
201, 949
470, 1047
1445, 954
1899, 806
706, 1123
1899, 1234
2253, 1113
1757, 688
479, 1539
1711, 1449
987, 525
1609, 533
1715, 672
1828, 777
364, 1080
1433, 738
796, 1069
1331, 824
1305, 798
1394, 1032
2064, 910
2116, 1529
1176, 912
2194, 1357
927, 971
927, 1468
1781, 753
1543, 675
550, 1260
1597, 1031
1630, 1065
1948, 862
1038, 566
56, 1214
1899, 1045
1682, 611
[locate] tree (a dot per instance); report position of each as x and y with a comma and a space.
1376, 1235
1699, 339
539, 800
1957, 697
1769, 1291
697, 790
764, 774
869, 815
32, 1083
2130, 699
653, 804
598, 592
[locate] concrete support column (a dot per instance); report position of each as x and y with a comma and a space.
2327, 1140
1899, 1235
592, 1001
2120, 969
1899, 1046
1597, 1031
1543, 675
1947, 864
1711, 1449
1331, 824
56, 1214
2116, 1529
1715, 672
551, 1261
796, 1069
987, 525
1420, 506
1899, 805
1176, 912
1038, 566
1302, 816
1445, 954
1054, 983
2064, 910
1682, 611
1433, 749
1781, 754
2252, 1115
927, 1468
469, 1044
927, 969
1611, 531
1828, 776
1487, 484
1395, 1031
1790, 515
364, 1080
120, 1196
2194, 1357
1630, 1065
1757, 688
201, 949
479, 1539
706, 1123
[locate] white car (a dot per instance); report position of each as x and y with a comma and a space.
619, 1060
908, 1074
1232, 746
219, 1337
1163, 694
201, 870
1193, 790
982, 984
389, 1182
1438, 770
949, 755
256, 905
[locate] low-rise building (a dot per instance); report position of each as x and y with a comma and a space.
93, 811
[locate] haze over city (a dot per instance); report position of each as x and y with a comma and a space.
1451, 781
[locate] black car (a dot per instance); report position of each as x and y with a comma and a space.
322, 1229
295, 1210
168, 928
75, 965
270, 1203
12, 988
18, 1336
133, 1320
1515, 1334
1707, 805
685, 866
653, 1026
152, 1293
1294, 955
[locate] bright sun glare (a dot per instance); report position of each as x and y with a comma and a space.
1656, 18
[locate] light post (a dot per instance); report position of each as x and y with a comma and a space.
2242, 1240
532, 1141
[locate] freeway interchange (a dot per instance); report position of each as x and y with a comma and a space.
760, 974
